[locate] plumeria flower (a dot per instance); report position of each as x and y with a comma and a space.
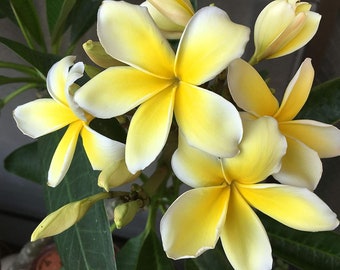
163, 82
283, 27
43, 116
224, 193
171, 16
308, 140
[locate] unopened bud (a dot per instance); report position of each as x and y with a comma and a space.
124, 213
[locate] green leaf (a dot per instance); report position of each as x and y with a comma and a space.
143, 252
210, 259
25, 163
53, 9
7, 80
28, 21
82, 17
6, 11
306, 250
88, 244
323, 103
41, 61
109, 128
60, 25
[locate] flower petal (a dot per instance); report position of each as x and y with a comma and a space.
117, 90
179, 11
57, 77
42, 116
305, 34
149, 129
63, 155
323, 138
101, 150
115, 174
297, 92
195, 167
206, 208
261, 150
249, 90
301, 166
199, 112
128, 33
295, 207
209, 43
243, 234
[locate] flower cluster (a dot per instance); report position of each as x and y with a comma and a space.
223, 154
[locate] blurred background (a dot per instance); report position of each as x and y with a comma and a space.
22, 201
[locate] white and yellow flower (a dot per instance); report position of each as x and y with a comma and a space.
43, 116
283, 27
226, 190
307, 140
161, 82
171, 16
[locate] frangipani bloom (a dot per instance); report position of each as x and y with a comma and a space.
171, 16
283, 27
163, 82
225, 190
307, 140
43, 116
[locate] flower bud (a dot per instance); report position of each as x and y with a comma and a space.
283, 27
97, 54
66, 216
170, 16
124, 213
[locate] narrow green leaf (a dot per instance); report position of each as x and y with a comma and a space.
28, 21
60, 25
88, 244
306, 250
323, 103
41, 61
53, 9
25, 163
82, 17
6, 11
143, 252
20, 68
7, 80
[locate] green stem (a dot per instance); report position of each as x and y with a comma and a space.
253, 61
20, 90
150, 224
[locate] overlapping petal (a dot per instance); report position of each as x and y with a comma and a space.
251, 94
195, 167
209, 43
295, 207
243, 236
42, 116
63, 155
297, 92
206, 208
100, 150
169, 29
261, 150
179, 11
57, 77
301, 166
199, 112
304, 35
142, 46
113, 92
323, 138
149, 129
